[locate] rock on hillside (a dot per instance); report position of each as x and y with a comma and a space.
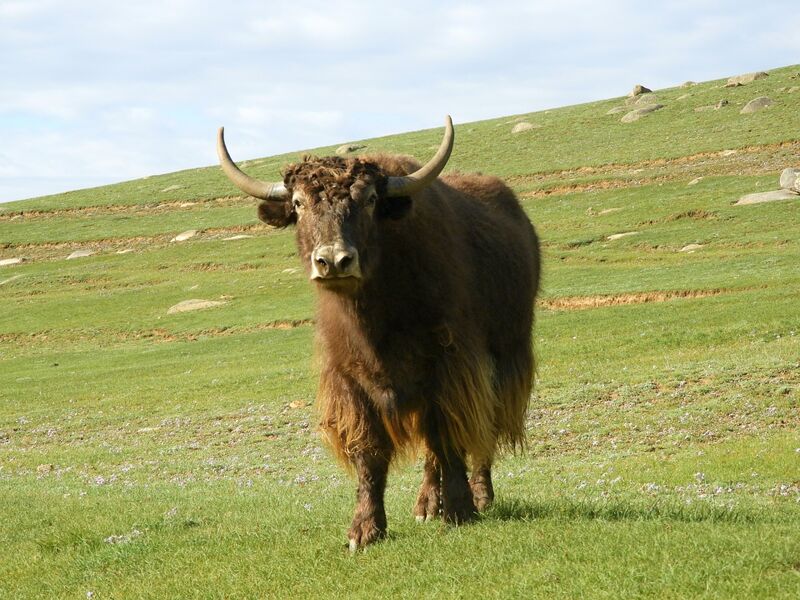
646, 98
790, 190
617, 236
760, 197
7, 262
524, 126
790, 180
745, 79
637, 114
349, 149
193, 304
182, 237
756, 104
638, 90
716, 106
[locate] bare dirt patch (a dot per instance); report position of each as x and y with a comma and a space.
105, 337
588, 302
599, 185
59, 250
694, 215
206, 267
131, 209
750, 160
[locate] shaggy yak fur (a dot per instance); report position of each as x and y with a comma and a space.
430, 347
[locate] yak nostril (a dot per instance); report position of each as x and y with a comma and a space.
322, 265
334, 260
344, 262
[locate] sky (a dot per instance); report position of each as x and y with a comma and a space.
101, 91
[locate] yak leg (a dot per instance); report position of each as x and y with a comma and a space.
430, 492
369, 519
356, 431
481, 484
457, 504
371, 460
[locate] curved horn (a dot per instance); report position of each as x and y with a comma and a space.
253, 187
407, 185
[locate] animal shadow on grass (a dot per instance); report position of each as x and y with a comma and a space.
618, 510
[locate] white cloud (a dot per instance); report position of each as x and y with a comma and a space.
308, 28
94, 89
24, 9
50, 101
252, 115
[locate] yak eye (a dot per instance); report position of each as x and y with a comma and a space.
296, 203
371, 200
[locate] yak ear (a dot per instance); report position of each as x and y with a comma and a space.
277, 213
394, 208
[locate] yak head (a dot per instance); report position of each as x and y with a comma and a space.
336, 204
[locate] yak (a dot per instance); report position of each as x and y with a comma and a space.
425, 294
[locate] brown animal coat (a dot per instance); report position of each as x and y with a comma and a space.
433, 346
426, 293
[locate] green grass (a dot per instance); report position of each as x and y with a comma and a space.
149, 455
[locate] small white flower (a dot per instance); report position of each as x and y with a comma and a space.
123, 539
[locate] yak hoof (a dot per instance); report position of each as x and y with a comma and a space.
482, 490
429, 502
459, 508
482, 503
460, 516
366, 530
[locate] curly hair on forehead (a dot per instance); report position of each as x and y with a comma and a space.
317, 174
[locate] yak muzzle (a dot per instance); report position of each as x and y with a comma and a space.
334, 261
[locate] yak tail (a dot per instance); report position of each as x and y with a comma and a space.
513, 383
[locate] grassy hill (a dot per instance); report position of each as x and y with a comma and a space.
153, 455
